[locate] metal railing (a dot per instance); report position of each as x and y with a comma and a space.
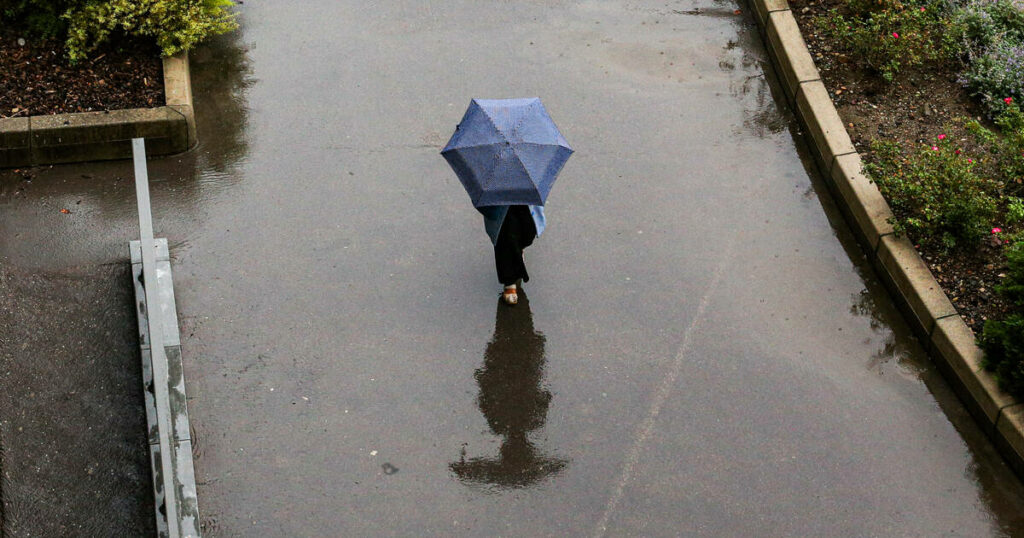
170, 442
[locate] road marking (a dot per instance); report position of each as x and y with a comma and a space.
662, 394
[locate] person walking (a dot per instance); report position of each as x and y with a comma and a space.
507, 154
512, 228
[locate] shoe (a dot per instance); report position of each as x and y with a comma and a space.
510, 296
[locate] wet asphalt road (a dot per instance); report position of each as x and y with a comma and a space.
703, 350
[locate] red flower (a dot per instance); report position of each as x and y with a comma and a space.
1008, 100
894, 34
942, 137
997, 230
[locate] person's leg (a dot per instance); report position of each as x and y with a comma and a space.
508, 260
517, 232
526, 232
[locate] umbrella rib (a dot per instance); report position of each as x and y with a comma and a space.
495, 125
515, 128
536, 181
508, 151
474, 146
490, 173
542, 144
526, 169
490, 177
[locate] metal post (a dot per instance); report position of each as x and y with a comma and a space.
159, 357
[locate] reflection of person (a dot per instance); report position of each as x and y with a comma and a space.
512, 229
514, 402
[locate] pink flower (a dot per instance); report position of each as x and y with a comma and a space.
997, 230
922, 8
970, 160
935, 148
894, 34
942, 137
1008, 100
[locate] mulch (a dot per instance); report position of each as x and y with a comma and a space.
36, 78
912, 111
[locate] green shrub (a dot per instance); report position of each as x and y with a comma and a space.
997, 73
983, 23
889, 36
1003, 340
1005, 147
991, 34
1014, 210
864, 8
38, 17
936, 194
175, 24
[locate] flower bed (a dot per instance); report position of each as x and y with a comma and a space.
36, 78
59, 56
79, 79
923, 90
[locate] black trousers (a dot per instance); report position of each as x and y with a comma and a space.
517, 233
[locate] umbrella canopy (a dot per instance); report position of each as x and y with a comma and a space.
507, 152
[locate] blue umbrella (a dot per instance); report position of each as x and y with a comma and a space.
507, 152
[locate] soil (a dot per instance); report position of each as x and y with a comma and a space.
913, 110
36, 78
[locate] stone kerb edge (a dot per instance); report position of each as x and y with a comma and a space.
178, 92
1011, 433
15, 142
104, 135
787, 45
861, 197
914, 281
941, 330
766, 7
954, 341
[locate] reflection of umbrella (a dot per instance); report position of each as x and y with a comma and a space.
518, 465
507, 152
514, 402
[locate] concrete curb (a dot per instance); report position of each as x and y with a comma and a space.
105, 135
931, 315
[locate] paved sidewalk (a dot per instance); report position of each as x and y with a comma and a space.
703, 350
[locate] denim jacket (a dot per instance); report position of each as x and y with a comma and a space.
494, 216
